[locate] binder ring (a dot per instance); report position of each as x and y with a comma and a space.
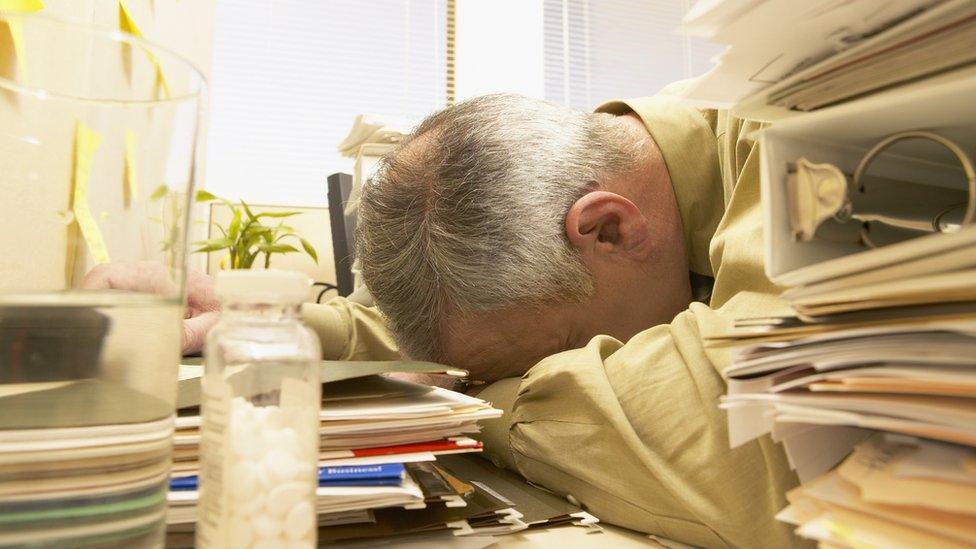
964, 159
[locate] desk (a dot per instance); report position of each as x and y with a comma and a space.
574, 537
562, 537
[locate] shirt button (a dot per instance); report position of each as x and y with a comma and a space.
570, 498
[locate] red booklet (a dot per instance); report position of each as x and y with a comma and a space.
450, 445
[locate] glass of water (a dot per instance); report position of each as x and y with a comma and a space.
99, 141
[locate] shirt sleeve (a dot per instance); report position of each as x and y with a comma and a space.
642, 443
350, 331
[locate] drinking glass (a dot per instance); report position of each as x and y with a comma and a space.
99, 142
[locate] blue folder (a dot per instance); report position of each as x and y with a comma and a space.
386, 474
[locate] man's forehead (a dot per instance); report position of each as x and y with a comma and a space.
465, 340
512, 340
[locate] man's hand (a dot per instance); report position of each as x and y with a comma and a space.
202, 307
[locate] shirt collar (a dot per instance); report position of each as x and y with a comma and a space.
689, 146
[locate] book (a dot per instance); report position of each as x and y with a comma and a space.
359, 475
386, 474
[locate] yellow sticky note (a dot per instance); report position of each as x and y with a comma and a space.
129, 25
162, 85
21, 6
87, 141
131, 189
16, 31
126, 22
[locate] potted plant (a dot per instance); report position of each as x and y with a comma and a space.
248, 236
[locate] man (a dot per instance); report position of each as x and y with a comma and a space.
582, 260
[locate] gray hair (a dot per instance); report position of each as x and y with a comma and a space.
467, 214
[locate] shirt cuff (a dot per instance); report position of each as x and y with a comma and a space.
494, 434
327, 323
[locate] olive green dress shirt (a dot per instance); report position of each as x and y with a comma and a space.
632, 430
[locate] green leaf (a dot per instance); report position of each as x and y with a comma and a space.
160, 192
276, 248
309, 249
247, 209
205, 196
277, 214
212, 245
235, 225
254, 234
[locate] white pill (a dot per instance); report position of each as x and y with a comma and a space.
268, 543
280, 465
241, 409
240, 534
300, 520
245, 444
274, 418
265, 526
250, 505
306, 471
303, 544
267, 481
284, 497
284, 439
244, 479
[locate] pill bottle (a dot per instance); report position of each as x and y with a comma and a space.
260, 416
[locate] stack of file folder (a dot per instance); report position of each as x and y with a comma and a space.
819, 54
83, 462
380, 438
891, 492
880, 357
940, 39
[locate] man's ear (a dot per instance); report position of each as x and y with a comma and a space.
602, 222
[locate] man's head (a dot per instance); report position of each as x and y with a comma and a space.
505, 229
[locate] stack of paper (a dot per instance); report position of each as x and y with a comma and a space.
783, 56
940, 39
82, 463
476, 510
368, 129
379, 440
493, 502
891, 493
881, 345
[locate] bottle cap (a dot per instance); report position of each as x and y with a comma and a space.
262, 286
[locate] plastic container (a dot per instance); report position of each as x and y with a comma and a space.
261, 400
99, 141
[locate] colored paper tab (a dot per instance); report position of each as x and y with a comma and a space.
129, 25
21, 6
130, 191
16, 31
87, 142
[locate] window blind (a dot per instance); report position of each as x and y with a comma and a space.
596, 50
289, 76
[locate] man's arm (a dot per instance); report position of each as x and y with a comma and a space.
350, 331
634, 433
347, 330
